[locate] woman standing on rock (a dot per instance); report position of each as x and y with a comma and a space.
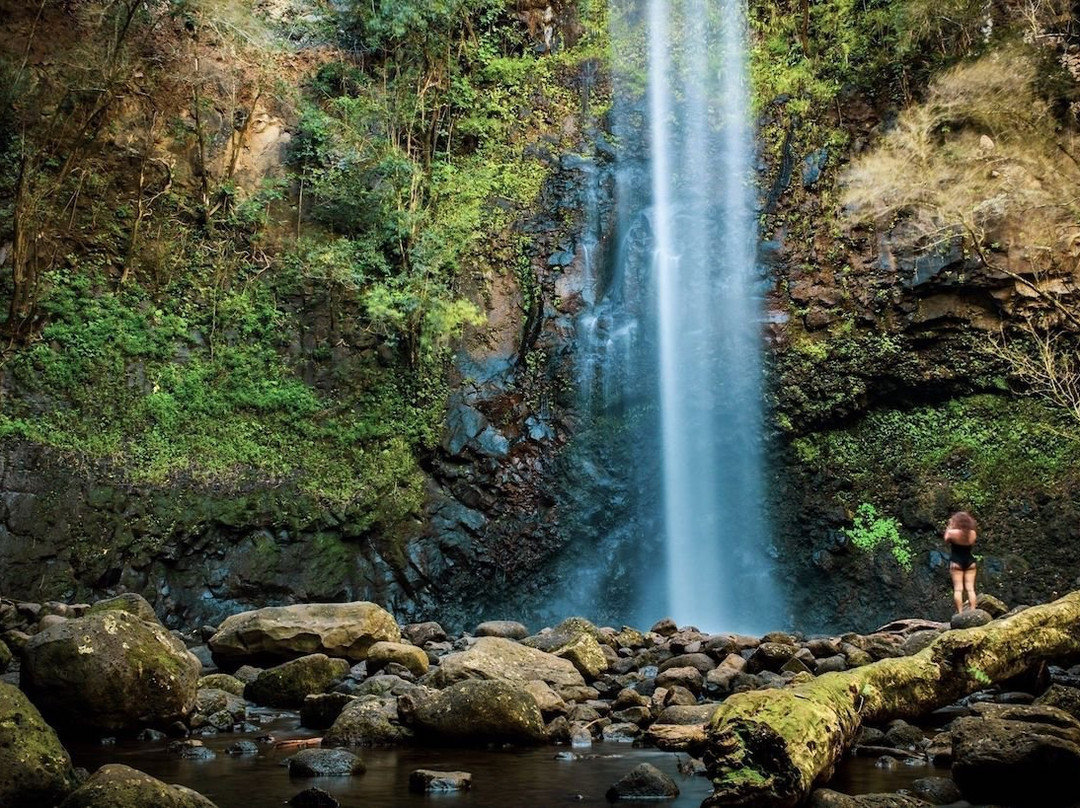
960, 536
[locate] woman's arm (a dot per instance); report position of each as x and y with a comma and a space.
956, 536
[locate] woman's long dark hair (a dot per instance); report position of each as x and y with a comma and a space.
964, 521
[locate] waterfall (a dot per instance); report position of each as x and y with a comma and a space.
671, 345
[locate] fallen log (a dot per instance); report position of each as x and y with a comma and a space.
771, 748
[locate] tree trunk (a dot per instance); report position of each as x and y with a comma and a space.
770, 748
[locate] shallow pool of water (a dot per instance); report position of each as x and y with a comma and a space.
531, 777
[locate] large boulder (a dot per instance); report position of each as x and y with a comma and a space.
130, 602
481, 711
278, 633
367, 721
110, 672
35, 770
118, 786
997, 760
288, 684
498, 658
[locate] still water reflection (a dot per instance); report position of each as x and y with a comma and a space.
532, 777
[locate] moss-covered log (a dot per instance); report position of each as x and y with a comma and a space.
770, 748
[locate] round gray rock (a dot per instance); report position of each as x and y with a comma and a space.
325, 763
643, 782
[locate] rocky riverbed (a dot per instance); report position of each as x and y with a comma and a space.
312, 700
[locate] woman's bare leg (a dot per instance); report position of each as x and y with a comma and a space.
957, 575
969, 585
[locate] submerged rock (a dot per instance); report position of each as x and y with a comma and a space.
35, 770
117, 786
936, 790
314, 798
425, 780
643, 782
826, 798
109, 671
325, 763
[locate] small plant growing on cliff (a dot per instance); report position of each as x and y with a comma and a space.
979, 675
871, 530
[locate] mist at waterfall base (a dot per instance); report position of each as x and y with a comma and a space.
665, 477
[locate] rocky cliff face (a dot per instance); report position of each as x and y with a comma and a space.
887, 389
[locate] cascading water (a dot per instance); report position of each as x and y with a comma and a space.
670, 350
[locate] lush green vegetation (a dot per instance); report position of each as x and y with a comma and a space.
870, 530
185, 326
982, 453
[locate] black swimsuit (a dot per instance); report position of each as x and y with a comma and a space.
961, 556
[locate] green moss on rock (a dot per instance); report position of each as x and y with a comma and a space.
35, 770
287, 685
118, 786
129, 602
109, 672
481, 711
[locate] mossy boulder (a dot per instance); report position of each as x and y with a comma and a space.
5, 656
118, 786
497, 658
479, 712
288, 684
367, 721
222, 681
565, 633
219, 709
321, 710
130, 602
585, 654
276, 633
383, 653
109, 672
35, 770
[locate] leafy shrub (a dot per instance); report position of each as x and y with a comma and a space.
871, 531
